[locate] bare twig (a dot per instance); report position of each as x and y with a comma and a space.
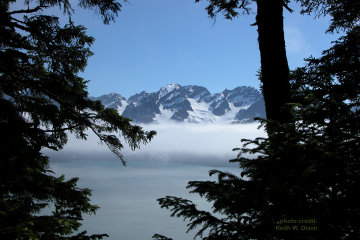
287, 7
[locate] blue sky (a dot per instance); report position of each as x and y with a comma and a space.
154, 43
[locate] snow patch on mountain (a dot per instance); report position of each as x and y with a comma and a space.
164, 116
121, 108
200, 112
230, 115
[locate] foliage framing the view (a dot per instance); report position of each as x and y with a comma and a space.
42, 100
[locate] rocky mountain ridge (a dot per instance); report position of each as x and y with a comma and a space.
189, 104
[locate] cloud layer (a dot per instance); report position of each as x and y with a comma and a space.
182, 143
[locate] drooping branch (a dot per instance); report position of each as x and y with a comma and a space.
61, 129
32, 10
18, 25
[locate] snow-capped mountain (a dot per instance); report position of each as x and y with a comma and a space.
192, 104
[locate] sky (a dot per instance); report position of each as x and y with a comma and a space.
155, 43
158, 42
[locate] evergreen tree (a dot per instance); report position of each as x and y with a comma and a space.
274, 65
269, 20
344, 14
42, 100
313, 178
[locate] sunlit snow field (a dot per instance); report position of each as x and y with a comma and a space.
127, 195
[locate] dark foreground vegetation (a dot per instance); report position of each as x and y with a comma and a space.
302, 182
42, 100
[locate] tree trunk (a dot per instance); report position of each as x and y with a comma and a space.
274, 65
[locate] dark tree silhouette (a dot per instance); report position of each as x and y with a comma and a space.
274, 65
269, 20
42, 99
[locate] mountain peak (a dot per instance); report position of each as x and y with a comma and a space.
168, 89
110, 96
112, 100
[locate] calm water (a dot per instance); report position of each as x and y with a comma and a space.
127, 195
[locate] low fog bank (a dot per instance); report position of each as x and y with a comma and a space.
201, 138
136, 158
198, 144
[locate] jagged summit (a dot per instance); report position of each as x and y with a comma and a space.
193, 104
168, 89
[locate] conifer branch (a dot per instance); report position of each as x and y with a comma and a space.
32, 10
62, 129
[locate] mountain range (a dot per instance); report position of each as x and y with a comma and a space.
189, 104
